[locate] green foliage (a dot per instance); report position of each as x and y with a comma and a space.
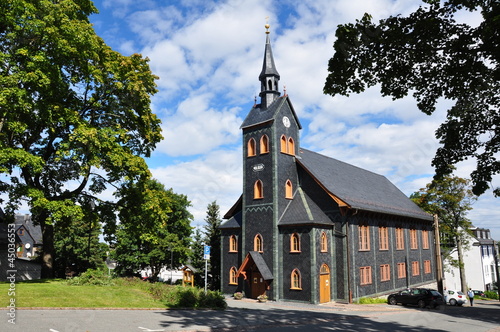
75, 115
431, 56
97, 277
189, 297
371, 300
491, 294
154, 224
212, 238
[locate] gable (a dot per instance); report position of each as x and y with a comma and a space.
357, 187
258, 116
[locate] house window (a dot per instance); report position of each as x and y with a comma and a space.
415, 268
385, 272
233, 244
258, 190
400, 240
364, 238
20, 231
295, 243
232, 276
401, 270
257, 243
283, 144
383, 238
413, 239
425, 239
324, 242
251, 148
264, 144
427, 267
296, 280
291, 146
288, 189
365, 275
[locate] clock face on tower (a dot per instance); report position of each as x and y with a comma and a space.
286, 121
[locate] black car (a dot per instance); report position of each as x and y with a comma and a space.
421, 297
478, 292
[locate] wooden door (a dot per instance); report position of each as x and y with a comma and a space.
257, 284
324, 284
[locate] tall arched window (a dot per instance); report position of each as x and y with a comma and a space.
270, 84
264, 144
257, 243
251, 148
233, 244
258, 190
324, 242
296, 280
232, 276
288, 189
283, 144
291, 146
295, 243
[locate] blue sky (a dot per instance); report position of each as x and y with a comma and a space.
208, 55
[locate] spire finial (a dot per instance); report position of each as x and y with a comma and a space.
267, 25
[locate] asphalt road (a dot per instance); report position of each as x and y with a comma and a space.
248, 315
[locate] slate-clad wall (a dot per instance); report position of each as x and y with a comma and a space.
229, 259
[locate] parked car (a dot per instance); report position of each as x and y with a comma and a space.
421, 297
478, 293
454, 297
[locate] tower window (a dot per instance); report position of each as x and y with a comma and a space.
251, 147
264, 144
288, 189
232, 276
295, 243
283, 143
257, 243
296, 280
270, 84
324, 242
258, 190
291, 146
233, 244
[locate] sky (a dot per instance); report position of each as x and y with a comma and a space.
208, 56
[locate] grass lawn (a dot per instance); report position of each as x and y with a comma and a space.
57, 293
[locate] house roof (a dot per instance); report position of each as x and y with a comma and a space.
35, 231
232, 222
303, 211
357, 187
258, 115
256, 257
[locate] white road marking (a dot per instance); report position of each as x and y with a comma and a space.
145, 329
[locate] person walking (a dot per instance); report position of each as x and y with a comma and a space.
470, 293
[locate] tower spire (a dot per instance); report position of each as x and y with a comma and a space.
269, 76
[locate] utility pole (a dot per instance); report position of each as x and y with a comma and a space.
439, 261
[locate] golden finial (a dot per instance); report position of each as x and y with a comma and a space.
267, 24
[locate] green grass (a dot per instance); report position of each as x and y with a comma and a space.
371, 300
121, 293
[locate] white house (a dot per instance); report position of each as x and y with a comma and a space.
479, 263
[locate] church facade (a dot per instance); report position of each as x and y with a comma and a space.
311, 228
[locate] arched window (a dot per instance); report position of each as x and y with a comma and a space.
324, 242
264, 144
295, 243
291, 146
257, 243
270, 84
296, 280
232, 276
288, 189
283, 143
251, 147
233, 244
258, 190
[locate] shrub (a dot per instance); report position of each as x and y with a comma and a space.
491, 294
188, 297
92, 277
371, 300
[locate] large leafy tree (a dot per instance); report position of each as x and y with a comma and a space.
450, 198
154, 224
212, 238
74, 114
431, 56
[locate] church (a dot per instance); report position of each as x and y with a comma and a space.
311, 228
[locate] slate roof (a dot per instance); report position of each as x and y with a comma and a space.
258, 115
233, 222
359, 188
256, 257
303, 211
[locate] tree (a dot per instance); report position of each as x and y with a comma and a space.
450, 199
432, 56
212, 238
196, 257
154, 223
75, 115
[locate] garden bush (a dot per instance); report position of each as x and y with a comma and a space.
92, 277
491, 294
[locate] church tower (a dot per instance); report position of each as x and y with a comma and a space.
270, 143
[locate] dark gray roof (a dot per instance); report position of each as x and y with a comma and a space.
34, 230
258, 115
233, 222
261, 265
359, 188
303, 211
268, 66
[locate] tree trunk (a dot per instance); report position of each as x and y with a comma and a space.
463, 281
47, 250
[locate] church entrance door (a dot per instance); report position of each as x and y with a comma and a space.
324, 284
257, 284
